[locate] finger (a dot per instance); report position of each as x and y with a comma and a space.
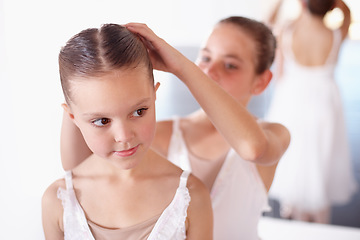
143, 30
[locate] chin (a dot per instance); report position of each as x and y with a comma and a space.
125, 164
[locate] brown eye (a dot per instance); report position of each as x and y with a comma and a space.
205, 59
230, 66
101, 122
139, 112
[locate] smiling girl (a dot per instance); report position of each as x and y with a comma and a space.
123, 190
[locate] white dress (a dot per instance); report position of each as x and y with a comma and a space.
170, 225
316, 171
238, 194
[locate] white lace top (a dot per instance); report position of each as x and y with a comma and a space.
170, 225
238, 194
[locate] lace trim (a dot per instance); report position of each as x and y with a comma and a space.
172, 224
73, 217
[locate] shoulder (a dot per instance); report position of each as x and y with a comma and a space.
52, 210
195, 185
162, 136
50, 194
198, 192
200, 213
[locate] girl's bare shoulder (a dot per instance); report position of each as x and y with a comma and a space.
50, 193
200, 213
197, 189
52, 210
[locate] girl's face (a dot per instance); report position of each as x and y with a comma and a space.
116, 114
228, 57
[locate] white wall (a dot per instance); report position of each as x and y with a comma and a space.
31, 34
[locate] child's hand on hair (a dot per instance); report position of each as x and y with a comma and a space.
163, 56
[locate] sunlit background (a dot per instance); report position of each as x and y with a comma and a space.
31, 34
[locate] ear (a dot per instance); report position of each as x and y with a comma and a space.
157, 85
67, 110
261, 82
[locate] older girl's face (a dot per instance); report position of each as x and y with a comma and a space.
228, 57
116, 115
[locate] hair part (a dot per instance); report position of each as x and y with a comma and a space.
265, 41
96, 51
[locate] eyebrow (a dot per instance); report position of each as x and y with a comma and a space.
134, 106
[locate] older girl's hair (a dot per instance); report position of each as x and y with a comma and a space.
265, 42
95, 51
320, 7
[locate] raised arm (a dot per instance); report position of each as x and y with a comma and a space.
347, 17
232, 120
72, 144
274, 13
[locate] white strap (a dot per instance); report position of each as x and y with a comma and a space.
176, 123
68, 180
183, 179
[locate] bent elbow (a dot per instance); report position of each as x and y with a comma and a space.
256, 152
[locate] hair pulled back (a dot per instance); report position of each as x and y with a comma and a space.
265, 41
320, 7
96, 51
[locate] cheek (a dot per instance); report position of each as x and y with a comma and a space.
147, 131
145, 128
237, 86
98, 143
231, 82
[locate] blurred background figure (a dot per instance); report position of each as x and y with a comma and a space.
316, 172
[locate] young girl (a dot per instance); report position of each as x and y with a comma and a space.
316, 172
123, 190
233, 153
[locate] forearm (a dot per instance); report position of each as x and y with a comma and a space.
72, 144
231, 119
347, 17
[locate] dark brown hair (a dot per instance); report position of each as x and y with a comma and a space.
265, 42
320, 7
96, 51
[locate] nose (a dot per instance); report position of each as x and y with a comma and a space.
123, 132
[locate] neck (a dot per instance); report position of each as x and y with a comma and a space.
307, 18
103, 167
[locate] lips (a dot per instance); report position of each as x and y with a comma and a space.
126, 153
